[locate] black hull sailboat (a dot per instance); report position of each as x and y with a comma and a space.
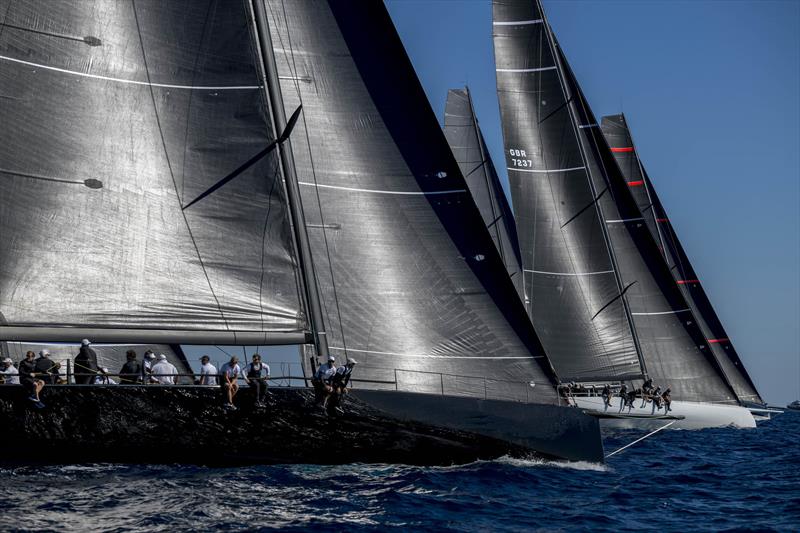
193, 211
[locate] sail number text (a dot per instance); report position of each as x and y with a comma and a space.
519, 158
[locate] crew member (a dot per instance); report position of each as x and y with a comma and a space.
165, 372
606, 394
102, 378
148, 361
9, 373
46, 368
656, 400
85, 364
208, 372
131, 372
340, 381
623, 395
666, 396
28, 379
230, 373
321, 380
256, 375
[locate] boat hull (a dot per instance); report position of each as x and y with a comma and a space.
187, 424
554, 431
689, 415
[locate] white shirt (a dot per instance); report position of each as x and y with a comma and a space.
165, 367
208, 374
11, 375
325, 371
231, 371
104, 380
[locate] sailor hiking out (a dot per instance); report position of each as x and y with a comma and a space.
339, 383
256, 375
9, 375
229, 374
28, 379
208, 373
322, 381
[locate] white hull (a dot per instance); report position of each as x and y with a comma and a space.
695, 415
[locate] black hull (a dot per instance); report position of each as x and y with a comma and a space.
135, 424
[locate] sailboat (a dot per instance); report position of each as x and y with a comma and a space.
602, 299
615, 130
271, 174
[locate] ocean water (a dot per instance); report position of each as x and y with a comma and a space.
711, 480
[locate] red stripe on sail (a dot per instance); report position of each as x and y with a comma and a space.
635, 183
715, 341
623, 149
685, 281
662, 220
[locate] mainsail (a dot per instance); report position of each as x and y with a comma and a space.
616, 132
113, 124
412, 284
469, 148
579, 209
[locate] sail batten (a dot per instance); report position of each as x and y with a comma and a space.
146, 119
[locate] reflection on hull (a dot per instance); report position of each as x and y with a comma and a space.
695, 415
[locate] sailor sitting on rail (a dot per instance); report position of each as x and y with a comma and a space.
322, 380
656, 396
647, 389
667, 399
606, 394
339, 383
631, 398
623, 397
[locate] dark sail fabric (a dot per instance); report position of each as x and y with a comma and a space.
670, 347
469, 148
616, 132
114, 116
568, 270
412, 284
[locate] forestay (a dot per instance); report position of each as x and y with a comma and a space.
117, 115
412, 284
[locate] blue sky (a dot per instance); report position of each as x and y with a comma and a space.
711, 90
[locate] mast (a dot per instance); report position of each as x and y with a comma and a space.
612, 256
273, 92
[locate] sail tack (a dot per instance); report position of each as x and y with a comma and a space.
469, 148
617, 133
413, 287
114, 122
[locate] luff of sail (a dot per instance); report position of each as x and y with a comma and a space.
106, 138
469, 148
568, 269
413, 286
617, 133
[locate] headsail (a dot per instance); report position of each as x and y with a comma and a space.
113, 123
412, 284
469, 148
616, 132
568, 268
670, 344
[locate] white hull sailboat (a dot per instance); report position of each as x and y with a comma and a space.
686, 415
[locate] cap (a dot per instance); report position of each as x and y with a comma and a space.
85, 342
150, 355
8, 360
205, 357
44, 352
162, 357
104, 370
331, 358
352, 362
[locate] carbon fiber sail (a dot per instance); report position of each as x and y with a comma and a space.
469, 148
412, 284
570, 172
113, 124
568, 268
616, 132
